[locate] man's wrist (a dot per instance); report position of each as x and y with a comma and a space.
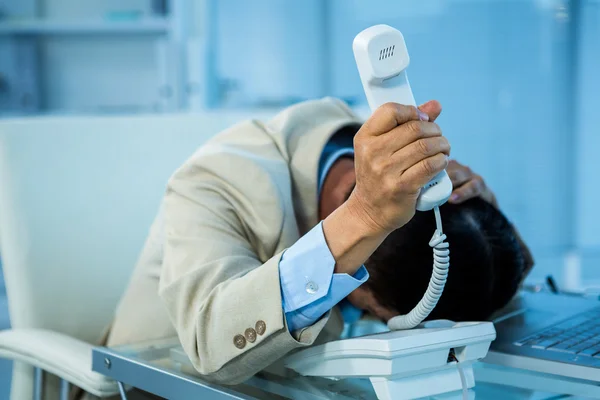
362, 213
350, 239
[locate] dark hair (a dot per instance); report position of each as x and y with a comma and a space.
486, 263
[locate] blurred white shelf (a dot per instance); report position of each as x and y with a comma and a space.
90, 26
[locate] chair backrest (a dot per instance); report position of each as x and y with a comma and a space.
77, 197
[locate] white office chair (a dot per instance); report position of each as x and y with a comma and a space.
77, 197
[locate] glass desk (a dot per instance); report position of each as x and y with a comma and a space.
151, 367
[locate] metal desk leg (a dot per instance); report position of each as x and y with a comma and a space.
38, 379
64, 390
122, 391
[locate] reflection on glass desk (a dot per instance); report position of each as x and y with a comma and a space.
152, 367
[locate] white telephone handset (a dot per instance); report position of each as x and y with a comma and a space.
382, 58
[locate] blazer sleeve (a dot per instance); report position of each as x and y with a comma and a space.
220, 280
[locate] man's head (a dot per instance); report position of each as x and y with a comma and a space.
486, 263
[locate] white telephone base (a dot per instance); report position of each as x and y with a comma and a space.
407, 364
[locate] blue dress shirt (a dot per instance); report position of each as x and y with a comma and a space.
309, 288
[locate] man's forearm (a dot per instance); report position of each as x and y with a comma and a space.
309, 285
350, 239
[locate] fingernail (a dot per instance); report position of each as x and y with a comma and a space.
454, 197
422, 115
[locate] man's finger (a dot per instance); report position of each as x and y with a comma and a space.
425, 170
458, 176
410, 132
419, 150
387, 117
432, 108
469, 190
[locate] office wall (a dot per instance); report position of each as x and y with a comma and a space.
270, 51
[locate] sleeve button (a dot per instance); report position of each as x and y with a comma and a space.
250, 335
260, 327
239, 341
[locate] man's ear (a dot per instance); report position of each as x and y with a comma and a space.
363, 298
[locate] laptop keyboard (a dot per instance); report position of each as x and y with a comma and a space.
577, 335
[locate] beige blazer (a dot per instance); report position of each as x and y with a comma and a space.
209, 269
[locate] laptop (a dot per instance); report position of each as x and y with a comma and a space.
549, 333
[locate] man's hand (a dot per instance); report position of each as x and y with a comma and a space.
396, 152
468, 185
